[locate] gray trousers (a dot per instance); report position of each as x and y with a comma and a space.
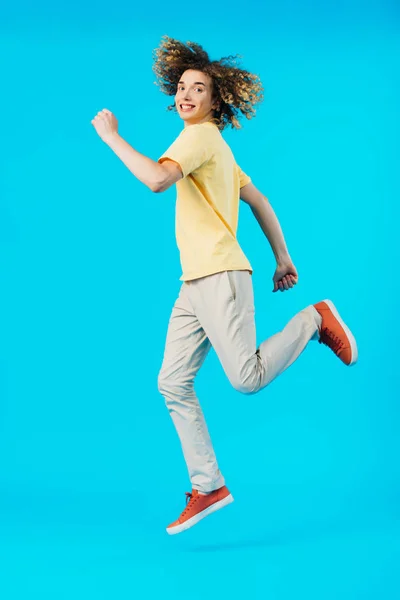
218, 311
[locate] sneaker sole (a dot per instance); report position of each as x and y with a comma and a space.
353, 343
204, 513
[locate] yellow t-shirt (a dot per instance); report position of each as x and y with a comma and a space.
207, 205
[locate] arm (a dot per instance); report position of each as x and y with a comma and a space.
286, 275
265, 215
158, 177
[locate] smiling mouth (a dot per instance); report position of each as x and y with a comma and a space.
186, 107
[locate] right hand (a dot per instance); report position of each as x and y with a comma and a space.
105, 124
285, 276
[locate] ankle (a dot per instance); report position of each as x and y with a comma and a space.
318, 318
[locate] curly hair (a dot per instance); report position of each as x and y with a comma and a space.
235, 89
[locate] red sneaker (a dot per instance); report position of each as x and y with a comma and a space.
199, 506
335, 334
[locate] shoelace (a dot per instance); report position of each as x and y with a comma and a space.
333, 342
190, 500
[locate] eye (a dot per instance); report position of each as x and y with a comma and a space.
180, 87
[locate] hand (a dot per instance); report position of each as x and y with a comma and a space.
105, 124
285, 276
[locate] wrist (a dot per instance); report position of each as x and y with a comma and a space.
112, 139
283, 258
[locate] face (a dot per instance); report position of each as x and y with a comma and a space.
195, 89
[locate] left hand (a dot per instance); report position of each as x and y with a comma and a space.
105, 124
285, 276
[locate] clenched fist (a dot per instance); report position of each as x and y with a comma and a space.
285, 276
105, 124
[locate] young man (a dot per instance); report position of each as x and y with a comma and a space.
215, 306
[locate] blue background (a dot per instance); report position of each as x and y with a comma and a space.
91, 468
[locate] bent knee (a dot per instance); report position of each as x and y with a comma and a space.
246, 386
166, 385
161, 383
171, 387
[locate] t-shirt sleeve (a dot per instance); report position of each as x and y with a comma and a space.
190, 150
243, 178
